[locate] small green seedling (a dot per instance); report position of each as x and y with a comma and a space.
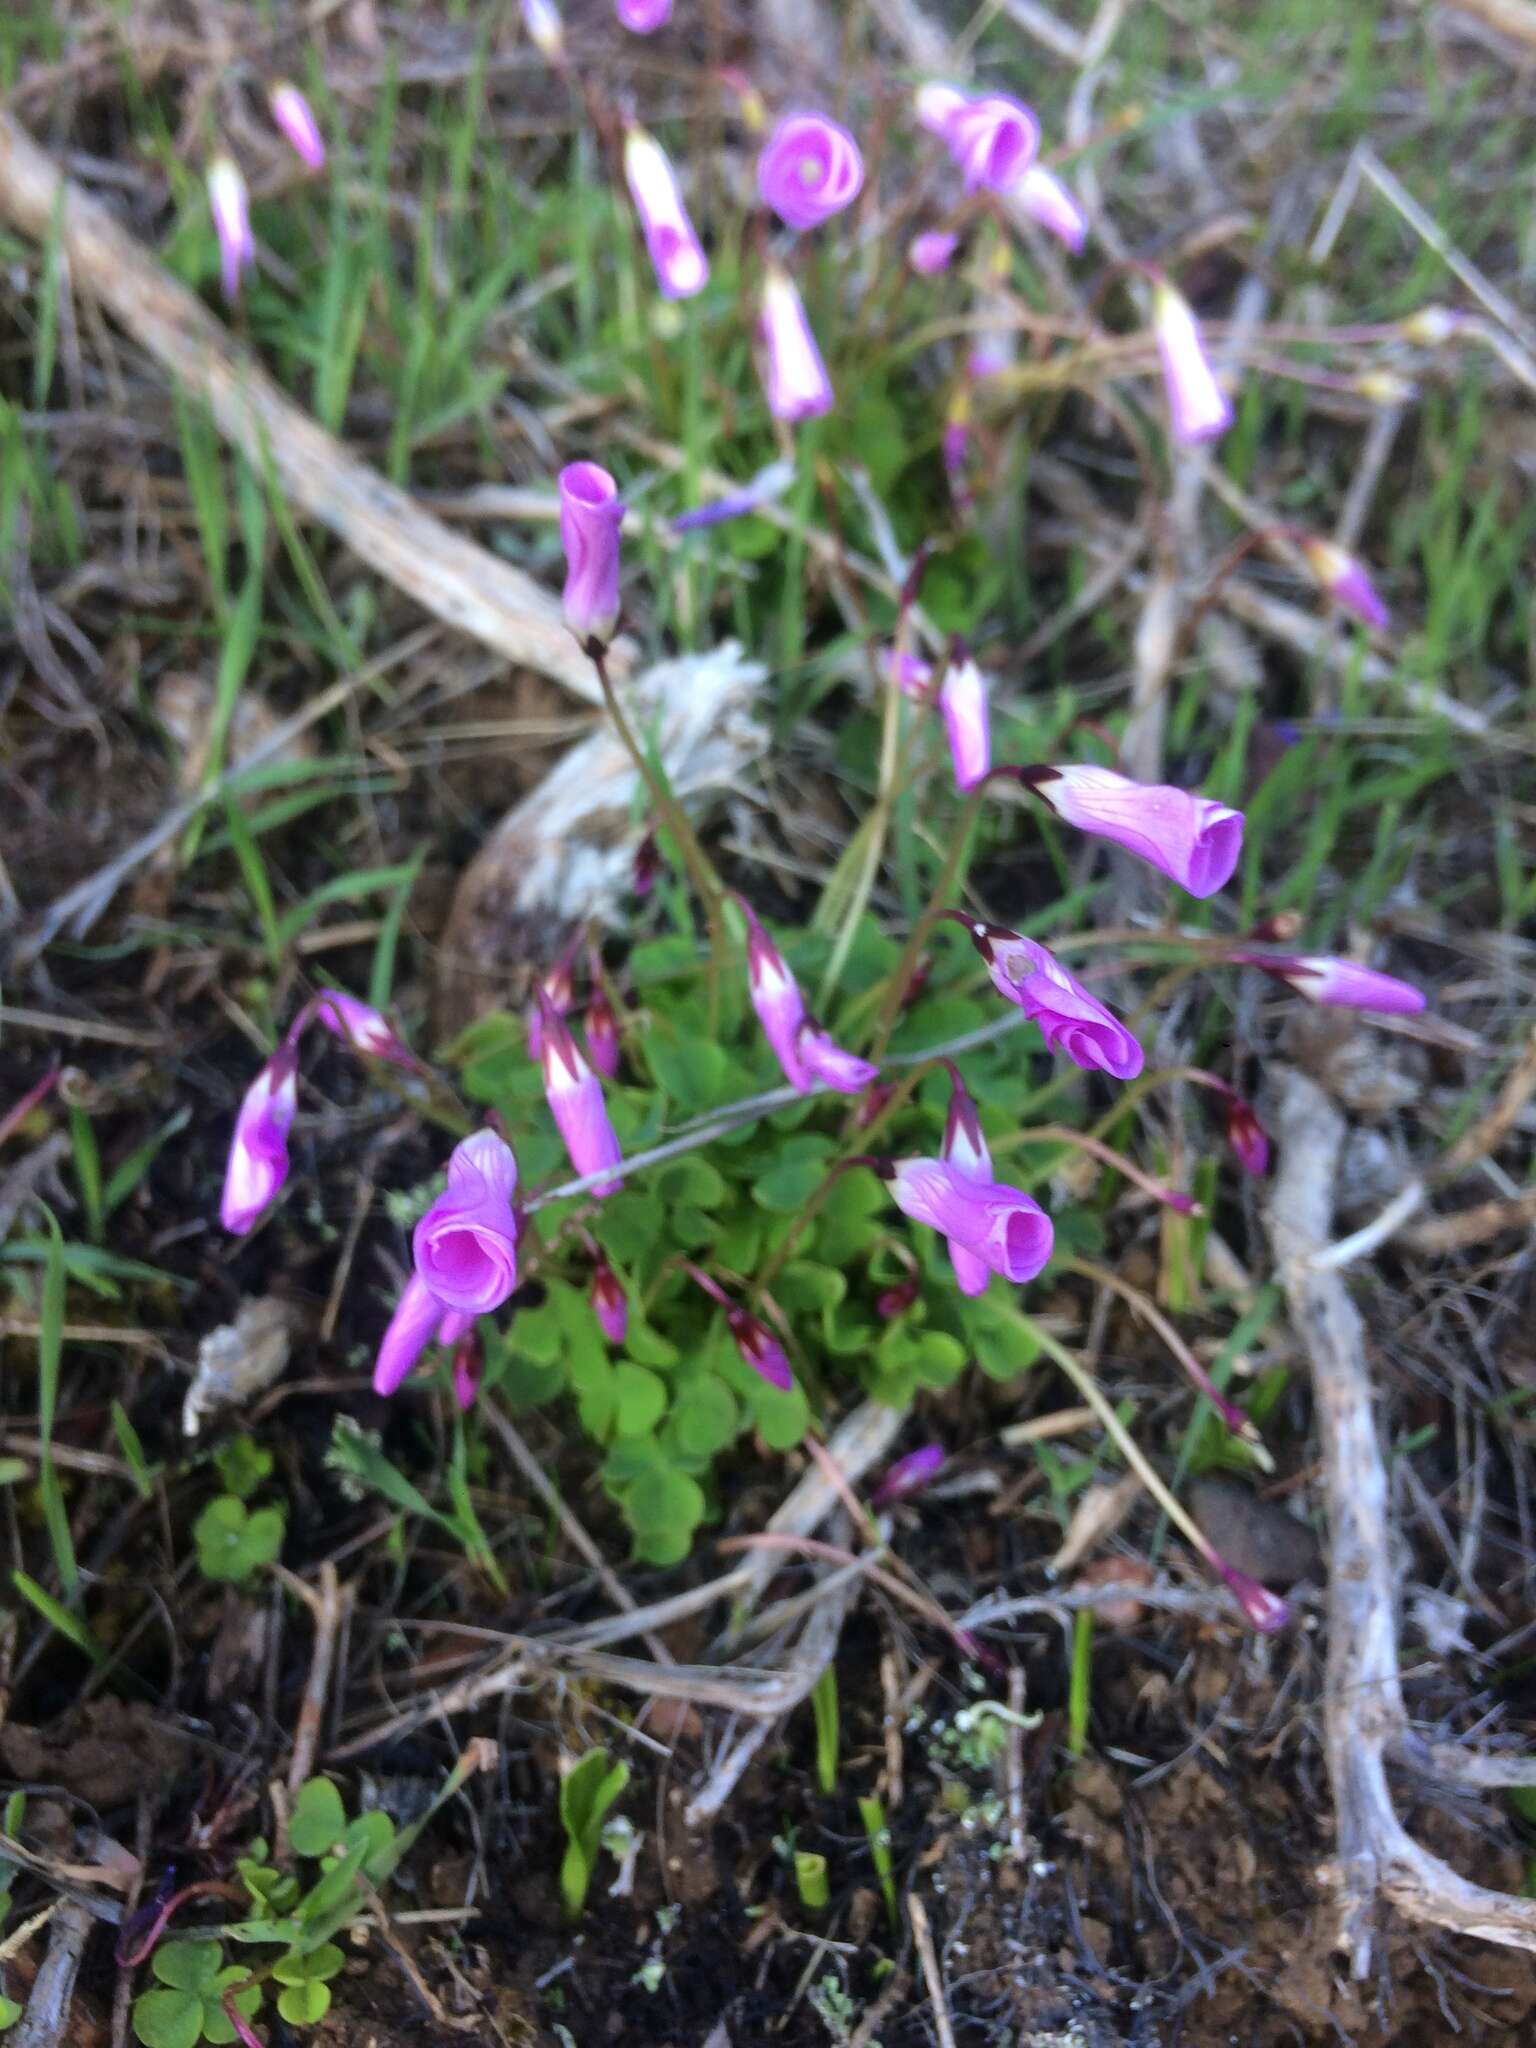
188, 2005
15, 1809
872, 1813
234, 1541
824, 1707
811, 1880
587, 1791
242, 1465
305, 1997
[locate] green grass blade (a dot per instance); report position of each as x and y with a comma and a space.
50, 1351
70, 1626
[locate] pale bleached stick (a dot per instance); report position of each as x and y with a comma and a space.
446, 574
1364, 1716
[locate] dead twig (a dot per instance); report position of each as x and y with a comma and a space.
1365, 1719
327, 1605
46, 2021
922, 1934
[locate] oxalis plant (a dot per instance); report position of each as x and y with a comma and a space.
779, 1200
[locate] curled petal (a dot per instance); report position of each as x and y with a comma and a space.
356, 1024
590, 516
795, 378
760, 1349
546, 32
1070, 1019
465, 1246
1193, 840
602, 1034
229, 202
1265, 1610
1200, 408
258, 1153
643, 17
1001, 1226
609, 1302
993, 139
810, 168
679, 262
936, 106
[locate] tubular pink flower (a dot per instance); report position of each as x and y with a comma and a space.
1247, 1136
558, 987
795, 378
575, 1098
541, 18
465, 1247
610, 1304
776, 998
468, 1365
911, 674
258, 1153
1193, 840
411, 1329
993, 139
1338, 984
931, 252
1265, 1610
827, 1064
1343, 578
1200, 408
643, 17
1004, 1228
809, 169
760, 1349
230, 204
295, 118
590, 516
965, 1150
963, 707
909, 1475
602, 1033
1050, 204
679, 262
356, 1024
1070, 1019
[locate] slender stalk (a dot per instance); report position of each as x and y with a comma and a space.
700, 870
917, 938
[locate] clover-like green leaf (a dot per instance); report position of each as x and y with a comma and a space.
233, 1542
168, 2019
318, 1820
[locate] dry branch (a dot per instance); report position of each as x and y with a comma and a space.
447, 575
1365, 1719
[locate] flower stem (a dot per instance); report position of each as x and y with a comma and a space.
917, 938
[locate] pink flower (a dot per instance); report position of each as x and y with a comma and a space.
826, 1063
963, 707
1200, 408
610, 1304
993, 139
1046, 200
643, 17
679, 262
795, 377
602, 1034
1193, 840
1247, 1136
356, 1024
1345, 581
1338, 984
465, 1247
557, 987
911, 674
295, 117
415, 1322
1005, 1229
768, 484
965, 1150
931, 252
809, 169
776, 998
895, 1301
258, 1153
590, 516
809, 1057
908, 1475
230, 204
754, 1340
936, 106
647, 865
1265, 1610
468, 1366
576, 1099
1071, 1020
541, 18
